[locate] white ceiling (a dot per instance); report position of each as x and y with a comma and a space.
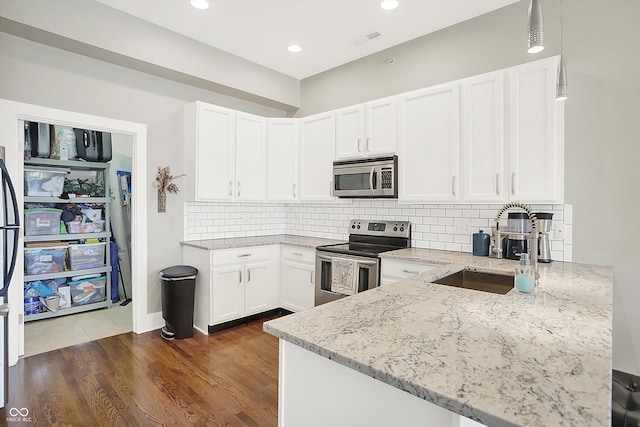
330, 32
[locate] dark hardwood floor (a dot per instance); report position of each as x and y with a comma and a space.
229, 378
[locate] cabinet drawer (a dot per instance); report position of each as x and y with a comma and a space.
298, 254
404, 269
242, 255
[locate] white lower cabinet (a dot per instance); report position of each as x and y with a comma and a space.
392, 271
233, 283
297, 277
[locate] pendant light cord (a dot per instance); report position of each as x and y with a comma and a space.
561, 51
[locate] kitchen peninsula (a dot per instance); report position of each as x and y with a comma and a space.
416, 353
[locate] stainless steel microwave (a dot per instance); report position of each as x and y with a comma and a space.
365, 178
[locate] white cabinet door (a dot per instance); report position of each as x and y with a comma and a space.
316, 157
366, 130
259, 295
380, 132
227, 296
297, 288
428, 145
350, 132
282, 160
536, 126
210, 134
250, 157
482, 152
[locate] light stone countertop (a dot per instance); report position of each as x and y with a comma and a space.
243, 242
540, 359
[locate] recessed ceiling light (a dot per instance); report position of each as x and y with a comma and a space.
200, 4
294, 48
389, 4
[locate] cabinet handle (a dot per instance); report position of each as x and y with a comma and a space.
498, 184
243, 255
240, 271
248, 275
453, 185
230, 188
368, 144
311, 276
294, 190
238, 188
409, 271
331, 191
296, 253
513, 183
359, 141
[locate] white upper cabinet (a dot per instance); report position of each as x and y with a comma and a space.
250, 157
366, 129
428, 144
282, 160
226, 150
536, 128
209, 152
482, 149
317, 147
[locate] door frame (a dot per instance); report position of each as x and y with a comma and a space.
10, 114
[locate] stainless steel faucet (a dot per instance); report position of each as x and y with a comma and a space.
496, 250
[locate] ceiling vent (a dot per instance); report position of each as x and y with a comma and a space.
373, 35
365, 38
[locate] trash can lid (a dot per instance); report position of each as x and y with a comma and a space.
179, 272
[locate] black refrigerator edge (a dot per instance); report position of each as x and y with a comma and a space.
9, 234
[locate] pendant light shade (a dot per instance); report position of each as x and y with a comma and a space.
561, 82
536, 33
562, 91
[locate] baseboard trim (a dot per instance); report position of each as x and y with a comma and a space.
242, 321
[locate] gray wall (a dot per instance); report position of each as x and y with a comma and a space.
602, 126
42, 75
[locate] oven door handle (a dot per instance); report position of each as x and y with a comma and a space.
328, 258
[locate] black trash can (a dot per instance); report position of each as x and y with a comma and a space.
178, 293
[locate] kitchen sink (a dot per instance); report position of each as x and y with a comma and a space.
486, 282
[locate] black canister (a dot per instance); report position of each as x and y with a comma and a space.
481, 243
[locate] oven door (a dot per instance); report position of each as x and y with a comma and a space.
368, 273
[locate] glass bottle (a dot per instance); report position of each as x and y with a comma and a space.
524, 279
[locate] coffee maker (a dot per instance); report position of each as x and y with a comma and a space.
544, 227
518, 224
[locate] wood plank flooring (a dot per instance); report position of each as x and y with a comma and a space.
229, 378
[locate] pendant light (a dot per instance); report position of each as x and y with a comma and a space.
536, 33
561, 81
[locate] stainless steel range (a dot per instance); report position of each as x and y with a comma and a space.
347, 268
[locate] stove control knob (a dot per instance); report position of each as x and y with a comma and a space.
358, 227
401, 228
353, 226
395, 228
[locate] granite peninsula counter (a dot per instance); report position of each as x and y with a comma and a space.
540, 359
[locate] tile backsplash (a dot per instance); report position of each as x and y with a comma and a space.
434, 226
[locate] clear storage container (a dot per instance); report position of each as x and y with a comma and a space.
88, 290
42, 221
77, 227
43, 182
82, 257
44, 260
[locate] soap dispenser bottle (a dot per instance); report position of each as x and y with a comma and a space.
524, 279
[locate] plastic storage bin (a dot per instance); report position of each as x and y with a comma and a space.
44, 260
82, 257
87, 291
43, 182
77, 227
42, 221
